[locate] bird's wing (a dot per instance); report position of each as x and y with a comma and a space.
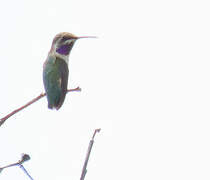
63, 80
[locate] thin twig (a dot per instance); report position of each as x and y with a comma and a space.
25, 171
10, 165
2, 120
84, 169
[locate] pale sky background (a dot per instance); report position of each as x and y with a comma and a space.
145, 83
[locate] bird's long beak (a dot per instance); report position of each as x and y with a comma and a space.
86, 37
76, 38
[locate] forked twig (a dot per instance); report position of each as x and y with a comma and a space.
2, 120
84, 169
24, 158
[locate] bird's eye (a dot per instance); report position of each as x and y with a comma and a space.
65, 38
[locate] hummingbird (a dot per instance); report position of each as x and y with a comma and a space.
55, 68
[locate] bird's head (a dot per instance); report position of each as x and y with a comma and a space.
63, 43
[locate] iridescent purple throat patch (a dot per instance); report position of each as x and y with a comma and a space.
65, 49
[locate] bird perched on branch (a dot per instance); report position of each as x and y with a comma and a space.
55, 70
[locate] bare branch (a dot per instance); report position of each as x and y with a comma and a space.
2, 120
84, 169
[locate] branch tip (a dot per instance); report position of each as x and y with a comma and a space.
75, 89
96, 131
